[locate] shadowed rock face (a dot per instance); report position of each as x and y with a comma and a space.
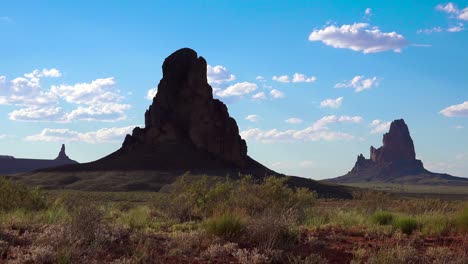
185, 112
10, 165
397, 145
186, 129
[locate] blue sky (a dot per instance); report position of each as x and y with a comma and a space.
311, 83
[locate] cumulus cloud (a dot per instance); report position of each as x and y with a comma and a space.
456, 110
151, 93
219, 74
456, 28
101, 98
238, 89
253, 118
259, 78
359, 37
368, 12
282, 78
276, 94
259, 96
38, 114
317, 131
114, 134
332, 103
96, 92
359, 83
294, 120
453, 10
299, 77
109, 112
379, 126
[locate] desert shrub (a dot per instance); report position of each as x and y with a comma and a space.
382, 218
394, 255
218, 251
270, 231
443, 255
311, 259
16, 196
186, 243
461, 219
372, 200
137, 217
201, 198
3, 248
245, 256
226, 226
86, 224
426, 206
348, 218
406, 225
434, 224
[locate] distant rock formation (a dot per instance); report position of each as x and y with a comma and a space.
10, 165
393, 162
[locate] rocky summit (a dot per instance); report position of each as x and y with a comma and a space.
186, 129
10, 165
395, 162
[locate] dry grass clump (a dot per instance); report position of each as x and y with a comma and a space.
246, 256
187, 243
219, 251
395, 255
311, 259
371, 200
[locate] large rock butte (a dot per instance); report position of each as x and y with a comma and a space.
395, 162
186, 129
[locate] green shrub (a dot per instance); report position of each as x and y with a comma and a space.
461, 220
137, 217
16, 196
226, 226
406, 225
382, 218
434, 223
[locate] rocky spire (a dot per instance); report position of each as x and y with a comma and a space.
62, 155
397, 145
184, 113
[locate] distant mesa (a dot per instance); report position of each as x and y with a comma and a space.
186, 129
10, 165
395, 162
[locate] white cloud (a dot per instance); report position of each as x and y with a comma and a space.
299, 77
238, 89
52, 73
114, 134
219, 74
463, 14
53, 114
101, 98
97, 92
456, 28
430, 30
456, 110
368, 11
379, 126
332, 103
253, 118
282, 78
316, 132
109, 112
359, 37
276, 93
449, 8
151, 93
294, 120
459, 127
259, 96
259, 78
452, 9
359, 83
